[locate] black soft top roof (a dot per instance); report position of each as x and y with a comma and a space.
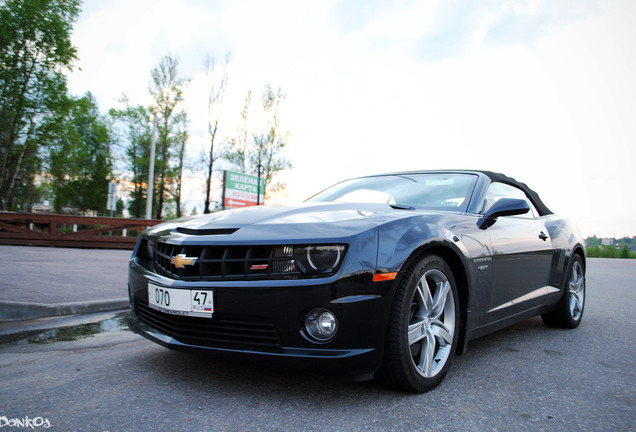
532, 195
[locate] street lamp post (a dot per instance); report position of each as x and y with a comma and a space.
151, 168
151, 164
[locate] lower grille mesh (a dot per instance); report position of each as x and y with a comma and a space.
220, 331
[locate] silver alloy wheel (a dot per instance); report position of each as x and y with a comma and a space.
576, 286
431, 326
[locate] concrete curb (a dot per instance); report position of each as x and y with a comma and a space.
16, 311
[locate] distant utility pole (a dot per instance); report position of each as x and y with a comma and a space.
151, 168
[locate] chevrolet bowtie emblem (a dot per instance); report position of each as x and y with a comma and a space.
181, 260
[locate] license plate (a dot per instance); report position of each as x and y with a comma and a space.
199, 303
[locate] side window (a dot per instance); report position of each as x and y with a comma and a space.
497, 191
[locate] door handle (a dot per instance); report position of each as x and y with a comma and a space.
543, 236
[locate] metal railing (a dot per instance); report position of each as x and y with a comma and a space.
71, 231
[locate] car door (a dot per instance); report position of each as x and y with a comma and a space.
521, 257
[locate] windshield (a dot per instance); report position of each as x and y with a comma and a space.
437, 191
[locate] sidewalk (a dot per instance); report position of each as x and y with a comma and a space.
39, 282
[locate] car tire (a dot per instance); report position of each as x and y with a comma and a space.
423, 327
569, 310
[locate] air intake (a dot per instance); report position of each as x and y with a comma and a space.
205, 232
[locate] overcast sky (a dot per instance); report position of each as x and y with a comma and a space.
543, 91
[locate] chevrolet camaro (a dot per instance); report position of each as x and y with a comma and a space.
386, 276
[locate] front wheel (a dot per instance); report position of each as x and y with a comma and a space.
423, 327
569, 311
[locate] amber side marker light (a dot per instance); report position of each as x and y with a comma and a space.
384, 276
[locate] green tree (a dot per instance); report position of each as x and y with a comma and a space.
594, 251
217, 76
270, 145
593, 241
261, 152
134, 131
624, 252
166, 89
79, 158
239, 144
35, 49
608, 251
181, 139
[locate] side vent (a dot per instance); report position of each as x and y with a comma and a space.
558, 262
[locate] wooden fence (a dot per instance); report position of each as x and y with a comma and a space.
71, 231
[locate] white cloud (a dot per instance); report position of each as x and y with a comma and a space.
541, 91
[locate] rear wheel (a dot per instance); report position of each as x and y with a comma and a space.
423, 327
569, 311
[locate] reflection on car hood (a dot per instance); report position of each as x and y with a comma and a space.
303, 213
285, 220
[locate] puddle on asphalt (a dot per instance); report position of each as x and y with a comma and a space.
73, 333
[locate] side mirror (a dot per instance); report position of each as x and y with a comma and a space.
503, 207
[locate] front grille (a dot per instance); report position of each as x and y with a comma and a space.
212, 263
220, 331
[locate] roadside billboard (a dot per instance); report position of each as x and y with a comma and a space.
242, 190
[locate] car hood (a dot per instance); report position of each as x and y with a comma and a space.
310, 221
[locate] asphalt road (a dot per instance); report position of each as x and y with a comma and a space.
527, 377
59, 275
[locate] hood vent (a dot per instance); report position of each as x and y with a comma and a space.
205, 232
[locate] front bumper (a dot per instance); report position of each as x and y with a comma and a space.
356, 364
277, 309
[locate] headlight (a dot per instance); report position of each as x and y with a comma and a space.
318, 259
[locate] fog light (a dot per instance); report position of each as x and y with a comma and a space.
321, 324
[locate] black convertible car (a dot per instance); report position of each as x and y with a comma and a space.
386, 276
